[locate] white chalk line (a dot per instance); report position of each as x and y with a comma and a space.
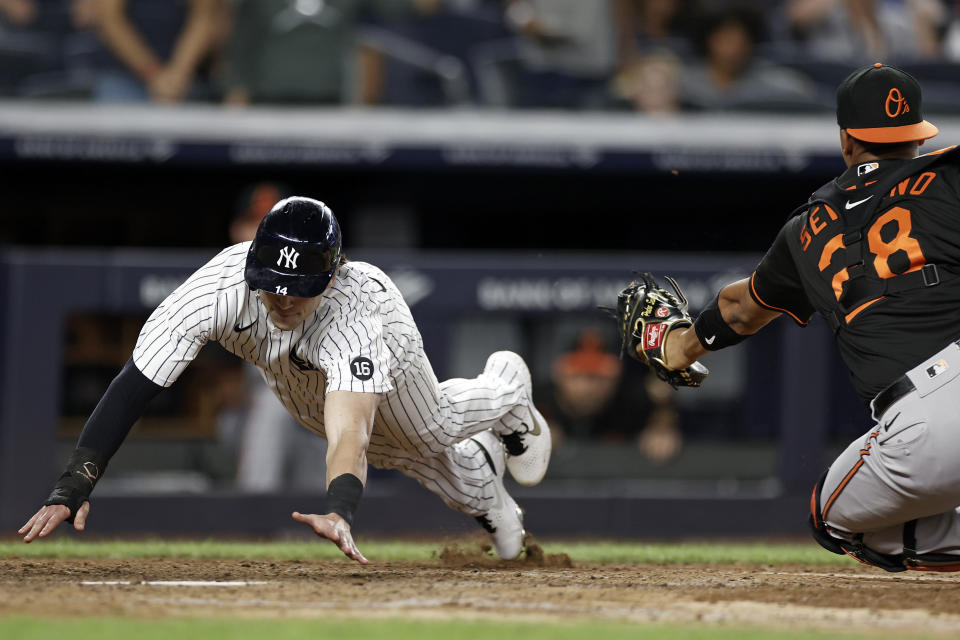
914, 576
174, 583
415, 603
729, 612
681, 611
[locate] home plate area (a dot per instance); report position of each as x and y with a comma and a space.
465, 586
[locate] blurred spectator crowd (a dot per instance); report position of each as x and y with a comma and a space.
652, 56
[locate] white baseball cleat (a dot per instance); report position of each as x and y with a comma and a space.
528, 452
504, 520
528, 448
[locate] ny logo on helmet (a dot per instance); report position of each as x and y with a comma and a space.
290, 255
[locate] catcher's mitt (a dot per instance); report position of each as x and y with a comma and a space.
646, 313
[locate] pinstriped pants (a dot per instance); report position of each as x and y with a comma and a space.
422, 427
905, 468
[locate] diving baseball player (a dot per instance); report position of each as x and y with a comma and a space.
877, 252
337, 344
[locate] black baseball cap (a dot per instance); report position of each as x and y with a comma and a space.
881, 103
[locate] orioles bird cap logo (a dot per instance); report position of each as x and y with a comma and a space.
895, 104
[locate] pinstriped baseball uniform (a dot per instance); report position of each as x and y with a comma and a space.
361, 338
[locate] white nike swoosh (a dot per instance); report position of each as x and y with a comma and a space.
710, 339
851, 205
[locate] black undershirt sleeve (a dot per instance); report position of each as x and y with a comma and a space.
120, 407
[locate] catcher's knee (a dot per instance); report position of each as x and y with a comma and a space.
817, 527
856, 549
853, 548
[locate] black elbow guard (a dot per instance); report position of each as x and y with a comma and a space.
78, 479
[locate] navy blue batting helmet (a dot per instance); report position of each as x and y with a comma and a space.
296, 250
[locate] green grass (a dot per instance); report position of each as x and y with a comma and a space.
20, 628
699, 553
592, 552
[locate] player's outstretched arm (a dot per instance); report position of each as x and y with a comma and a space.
732, 317
109, 424
348, 420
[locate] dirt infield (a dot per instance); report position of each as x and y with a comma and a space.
464, 584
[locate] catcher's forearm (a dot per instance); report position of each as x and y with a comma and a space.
711, 331
731, 318
739, 310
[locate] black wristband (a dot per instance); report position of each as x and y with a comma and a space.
343, 496
80, 476
713, 332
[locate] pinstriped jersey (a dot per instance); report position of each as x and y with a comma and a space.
361, 338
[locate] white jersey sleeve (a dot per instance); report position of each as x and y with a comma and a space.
189, 317
354, 357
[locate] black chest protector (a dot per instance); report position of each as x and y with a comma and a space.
864, 284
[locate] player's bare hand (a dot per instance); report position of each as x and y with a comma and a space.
49, 518
334, 528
